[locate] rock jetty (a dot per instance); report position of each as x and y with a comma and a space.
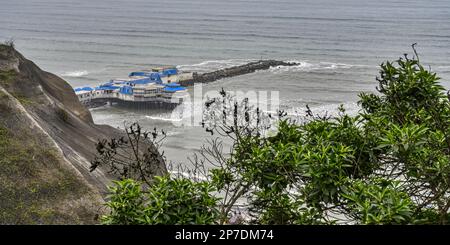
234, 71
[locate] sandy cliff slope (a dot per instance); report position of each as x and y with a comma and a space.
47, 140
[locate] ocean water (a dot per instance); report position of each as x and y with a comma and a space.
339, 44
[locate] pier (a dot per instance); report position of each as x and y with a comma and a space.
161, 88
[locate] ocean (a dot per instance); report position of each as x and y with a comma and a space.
339, 44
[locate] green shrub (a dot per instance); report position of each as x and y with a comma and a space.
126, 203
168, 201
378, 201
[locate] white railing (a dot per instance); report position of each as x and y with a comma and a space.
124, 97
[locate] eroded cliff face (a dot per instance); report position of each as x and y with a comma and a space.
47, 140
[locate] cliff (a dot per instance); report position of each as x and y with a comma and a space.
47, 140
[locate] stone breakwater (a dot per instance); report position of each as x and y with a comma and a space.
234, 71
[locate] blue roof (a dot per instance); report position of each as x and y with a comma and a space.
141, 81
154, 76
106, 87
170, 71
173, 85
83, 89
126, 90
174, 89
140, 73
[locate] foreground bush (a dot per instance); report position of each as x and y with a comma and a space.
168, 201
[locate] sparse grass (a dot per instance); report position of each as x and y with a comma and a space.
62, 114
7, 45
6, 48
3, 138
5, 79
3, 131
10, 43
4, 108
3, 95
22, 98
7, 76
33, 180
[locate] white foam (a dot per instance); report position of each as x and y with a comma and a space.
196, 177
211, 65
351, 108
305, 66
172, 133
163, 118
75, 74
443, 67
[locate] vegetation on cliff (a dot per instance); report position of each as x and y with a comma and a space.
34, 184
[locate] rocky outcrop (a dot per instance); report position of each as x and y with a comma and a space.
235, 71
47, 140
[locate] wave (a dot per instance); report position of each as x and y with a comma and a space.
179, 116
304, 66
196, 177
442, 67
351, 108
75, 74
163, 118
211, 65
172, 133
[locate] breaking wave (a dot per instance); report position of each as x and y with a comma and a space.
304, 66
351, 108
443, 67
75, 74
195, 177
212, 65
164, 118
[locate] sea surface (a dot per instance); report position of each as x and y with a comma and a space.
339, 44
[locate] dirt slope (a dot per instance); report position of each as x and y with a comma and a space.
47, 139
